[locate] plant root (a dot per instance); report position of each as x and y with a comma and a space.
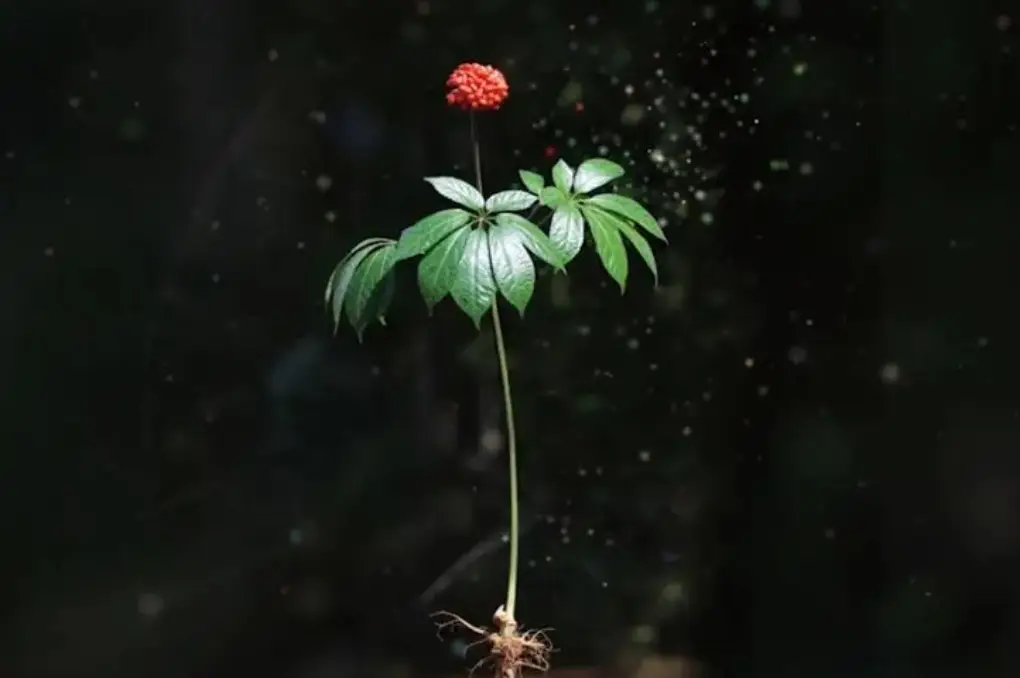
511, 650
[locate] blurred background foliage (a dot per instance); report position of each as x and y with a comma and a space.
796, 457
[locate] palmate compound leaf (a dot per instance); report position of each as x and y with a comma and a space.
631, 209
512, 268
428, 231
339, 282
459, 191
474, 288
609, 245
438, 269
595, 173
637, 241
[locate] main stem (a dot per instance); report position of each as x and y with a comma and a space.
508, 406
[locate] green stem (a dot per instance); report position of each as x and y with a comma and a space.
511, 432
511, 444
478, 154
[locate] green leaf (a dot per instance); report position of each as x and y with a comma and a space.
595, 173
378, 304
637, 240
563, 176
458, 190
552, 197
642, 247
423, 235
364, 282
512, 267
532, 181
567, 231
632, 209
532, 238
368, 242
474, 288
341, 279
609, 245
438, 269
509, 201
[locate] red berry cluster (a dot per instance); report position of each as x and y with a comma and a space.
476, 87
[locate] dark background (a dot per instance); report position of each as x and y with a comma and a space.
797, 457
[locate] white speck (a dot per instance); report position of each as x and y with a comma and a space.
797, 355
150, 604
644, 455
748, 362
890, 373
74, 102
492, 440
323, 182
273, 55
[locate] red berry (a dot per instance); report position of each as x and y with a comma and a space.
476, 87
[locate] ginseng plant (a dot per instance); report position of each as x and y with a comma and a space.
480, 250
